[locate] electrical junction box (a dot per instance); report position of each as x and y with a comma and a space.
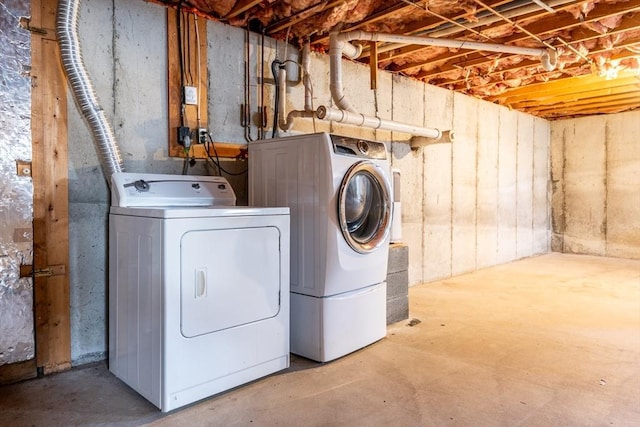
190, 95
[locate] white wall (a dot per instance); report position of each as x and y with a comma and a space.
596, 185
477, 202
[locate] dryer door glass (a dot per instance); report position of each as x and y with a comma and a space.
364, 207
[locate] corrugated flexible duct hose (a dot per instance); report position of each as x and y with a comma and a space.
82, 88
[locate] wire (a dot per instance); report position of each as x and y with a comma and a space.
181, 54
195, 20
216, 161
276, 95
246, 110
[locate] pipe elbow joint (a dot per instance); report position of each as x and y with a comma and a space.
549, 59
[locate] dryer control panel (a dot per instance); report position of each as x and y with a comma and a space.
154, 190
358, 147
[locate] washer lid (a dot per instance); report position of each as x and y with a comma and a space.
139, 189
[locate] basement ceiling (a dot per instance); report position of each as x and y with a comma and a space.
597, 44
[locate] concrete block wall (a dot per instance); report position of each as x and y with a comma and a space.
398, 283
596, 185
477, 202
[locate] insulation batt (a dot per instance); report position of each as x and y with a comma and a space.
217, 7
474, 72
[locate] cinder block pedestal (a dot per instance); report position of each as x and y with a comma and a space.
398, 283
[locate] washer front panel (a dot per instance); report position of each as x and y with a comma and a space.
364, 207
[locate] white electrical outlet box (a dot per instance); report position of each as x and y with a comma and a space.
190, 95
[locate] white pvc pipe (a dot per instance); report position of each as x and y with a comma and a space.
336, 46
285, 121
357, 119
339, 45
288, 124
431, 41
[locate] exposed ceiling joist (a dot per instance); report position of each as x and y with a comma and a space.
591, 36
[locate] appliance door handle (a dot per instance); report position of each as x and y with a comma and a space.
201, 283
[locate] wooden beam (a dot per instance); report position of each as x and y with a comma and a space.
479, 59
19, 371
569, 92
186, 115
534, 63
396, 50
224, 150
375, 17
301, 16
563, 86
542, 27
617, 100
241, 7
586, 111
593, 94
373, 65
50, 194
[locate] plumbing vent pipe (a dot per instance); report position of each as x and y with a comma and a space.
82, 88
547, 56
345, 113
339, 45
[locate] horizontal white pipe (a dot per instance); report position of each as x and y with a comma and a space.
419, 141
357, 119
431, 41
288, 123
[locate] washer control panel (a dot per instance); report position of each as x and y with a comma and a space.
358, 147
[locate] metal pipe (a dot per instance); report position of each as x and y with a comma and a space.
82, 88
510, 10
352, 118
306, 79
283, 122
487, 18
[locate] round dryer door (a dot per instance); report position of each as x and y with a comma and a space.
364, 207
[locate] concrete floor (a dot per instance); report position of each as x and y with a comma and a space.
546, 341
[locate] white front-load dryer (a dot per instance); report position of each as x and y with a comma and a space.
198, 291
338, 190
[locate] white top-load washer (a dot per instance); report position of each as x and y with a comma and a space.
339, 192
198, 288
